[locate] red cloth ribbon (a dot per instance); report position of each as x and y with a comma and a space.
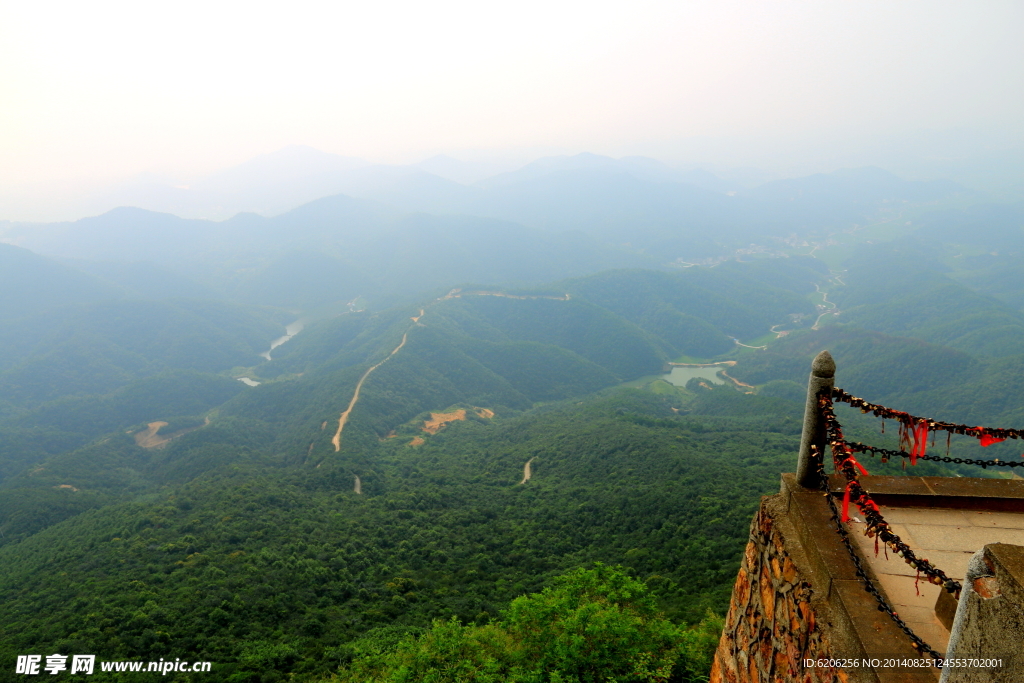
846, 503
988, 440
920, 441
851, 459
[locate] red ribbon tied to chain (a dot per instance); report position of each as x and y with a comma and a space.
846, 502
988, 439
920, 441
856, 464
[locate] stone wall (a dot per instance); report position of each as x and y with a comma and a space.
772, 625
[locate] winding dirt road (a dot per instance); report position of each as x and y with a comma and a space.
824, 300
355, 397
747, 346
455, 293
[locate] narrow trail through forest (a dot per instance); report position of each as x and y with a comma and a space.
527, 472
355, 396
454, 294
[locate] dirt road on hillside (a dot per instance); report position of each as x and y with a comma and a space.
355, 397
527, 472
824, 300
456, 293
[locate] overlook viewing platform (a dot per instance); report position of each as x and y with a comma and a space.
852, 577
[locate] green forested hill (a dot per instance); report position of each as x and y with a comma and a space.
256, 511
67, 423
887, 293
699, 310
30, 282
256, 562
97, 348
264, 540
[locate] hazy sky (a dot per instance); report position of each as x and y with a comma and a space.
107, 89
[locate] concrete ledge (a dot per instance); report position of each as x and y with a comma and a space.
857, 629
960, 493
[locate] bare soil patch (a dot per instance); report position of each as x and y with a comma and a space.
438, 421
527, 471
148, 438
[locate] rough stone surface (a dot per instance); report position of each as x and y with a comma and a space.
771, 626
797, 595
989, 622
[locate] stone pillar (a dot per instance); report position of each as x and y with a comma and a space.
989, 621
823, 373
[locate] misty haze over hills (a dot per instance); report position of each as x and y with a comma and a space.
403, 229
274, 183
421, 398
378, 342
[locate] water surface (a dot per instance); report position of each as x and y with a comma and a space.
680, 375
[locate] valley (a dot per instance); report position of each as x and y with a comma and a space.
461, 418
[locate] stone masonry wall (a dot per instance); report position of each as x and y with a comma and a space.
771, 626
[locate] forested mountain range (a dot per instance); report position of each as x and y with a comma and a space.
553, 219
472, 407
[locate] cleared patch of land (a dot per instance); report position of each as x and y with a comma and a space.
438, 421
148, 438
151, 438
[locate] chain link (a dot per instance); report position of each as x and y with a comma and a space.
911, 430
883, 606
886, 453
909, 420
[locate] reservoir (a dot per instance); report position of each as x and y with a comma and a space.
289, 332
680, 375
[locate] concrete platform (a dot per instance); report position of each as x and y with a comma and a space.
944, 520
980, 512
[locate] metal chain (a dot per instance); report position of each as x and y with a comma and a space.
933, 425
886, 453
883, 605
875, 524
